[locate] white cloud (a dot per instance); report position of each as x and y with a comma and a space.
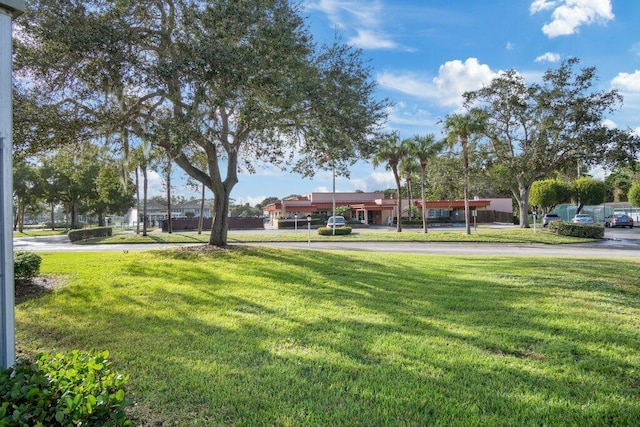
381, 180
627, 82
510, 46
548, 57
358, 184
253, 200
454, 78
411, 116
155, 184
532, 76
609, 124
408, 83
540, 5
636, 132
569, 15
367, 39
359, 16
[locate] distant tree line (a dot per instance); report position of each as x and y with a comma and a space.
513, 134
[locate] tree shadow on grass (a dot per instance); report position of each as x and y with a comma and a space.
328, 338
36, 287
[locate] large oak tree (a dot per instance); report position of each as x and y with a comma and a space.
240, 82
534, 130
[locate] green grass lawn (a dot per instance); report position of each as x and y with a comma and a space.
38, 232
510, 235
255, 336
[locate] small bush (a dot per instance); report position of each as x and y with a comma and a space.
328, 231
282, 223
587, 231
89, 233
26, 265
60, 390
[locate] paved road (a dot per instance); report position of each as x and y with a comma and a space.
618, 243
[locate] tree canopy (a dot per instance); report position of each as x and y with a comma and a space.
536, 129
462, 128
424, 149
390, 153
587, 191
634, 194
548, 193
238, 83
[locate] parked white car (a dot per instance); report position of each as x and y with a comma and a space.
582, 219
339, 221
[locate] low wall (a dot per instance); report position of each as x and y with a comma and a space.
235, 223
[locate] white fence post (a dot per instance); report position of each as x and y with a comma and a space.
9, 9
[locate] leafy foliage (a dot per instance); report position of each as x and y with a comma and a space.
63, 389
27, 186
634, 194
341, 210
221, 86
424, 149
88, 233
587, 231
329, 231
534, 130
462, 128
390, 152
588, 191
26, 264
548, 193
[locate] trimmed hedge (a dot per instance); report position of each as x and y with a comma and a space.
302, 223
587, 231
62, 390
26, 265
89, 233
328, 231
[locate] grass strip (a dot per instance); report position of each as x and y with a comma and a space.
255, 336
512, 235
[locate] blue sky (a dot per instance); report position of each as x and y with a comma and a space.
425, 53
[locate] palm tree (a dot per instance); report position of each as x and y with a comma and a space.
459, 128
390, 152
143, 157
409, 168
424, 148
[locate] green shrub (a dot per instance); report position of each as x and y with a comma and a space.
282, 223
26, 265
61, 390
88, 233
587, 231
328, 231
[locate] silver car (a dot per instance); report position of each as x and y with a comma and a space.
550, 217
337, 221
618, 220
582, 219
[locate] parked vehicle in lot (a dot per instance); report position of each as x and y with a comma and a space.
582, 219
549, 217
618, 220
339, 221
